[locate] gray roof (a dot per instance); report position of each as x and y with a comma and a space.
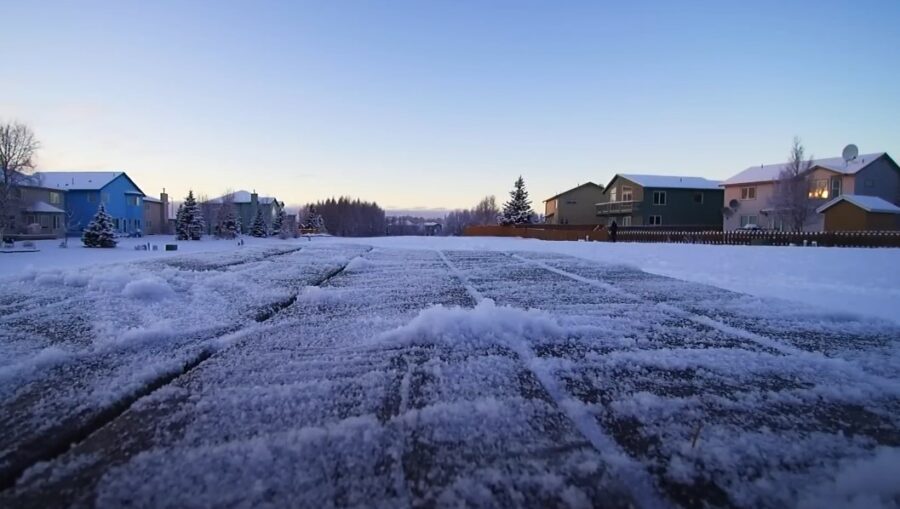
244, 197
670, 181
770, 172
42, 207
77, 180
867, 203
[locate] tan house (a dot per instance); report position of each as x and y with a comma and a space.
575, 206
850, 212
749, 195
42, 210
156, 215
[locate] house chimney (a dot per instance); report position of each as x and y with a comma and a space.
254, 204
164, 198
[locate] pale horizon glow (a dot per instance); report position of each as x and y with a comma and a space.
435, 104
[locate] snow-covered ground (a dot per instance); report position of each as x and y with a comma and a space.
463, 372
842, 280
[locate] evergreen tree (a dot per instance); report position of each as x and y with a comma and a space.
277, 223
181, 230
189, 223
194, 217
228, 226
518, 209
313, 220
100, 231
258, 229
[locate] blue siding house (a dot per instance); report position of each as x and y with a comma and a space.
86, 190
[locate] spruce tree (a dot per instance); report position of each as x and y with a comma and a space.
313, 220
258, 229
518, 209
193, 217
181, 229
100, 231
278, 222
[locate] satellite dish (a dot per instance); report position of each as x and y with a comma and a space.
850, 152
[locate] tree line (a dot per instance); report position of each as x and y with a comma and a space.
346, 217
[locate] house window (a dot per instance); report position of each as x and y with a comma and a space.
626, 193
655, 220
698, 198
818, 189
748, 193
745, 220
92, 198
570, 202
626, 221
55, 222
116, 223
45, 221
137, 223
613, 193
55, 198
134, 200
659, 198
835, 187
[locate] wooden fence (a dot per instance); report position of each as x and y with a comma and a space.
535, 233
761, 238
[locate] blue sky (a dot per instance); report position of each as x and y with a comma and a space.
436, 103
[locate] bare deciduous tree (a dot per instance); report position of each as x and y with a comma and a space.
486, 211
790, 199
17, 148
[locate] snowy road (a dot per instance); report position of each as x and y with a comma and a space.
341, 375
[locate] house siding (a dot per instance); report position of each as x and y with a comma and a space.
680, 208
846, 216
31, 195
880, 178
582, 211
83, 205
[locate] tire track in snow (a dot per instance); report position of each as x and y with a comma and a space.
45, 449
675, 310
635, 477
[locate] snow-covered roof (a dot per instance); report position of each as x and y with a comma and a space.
770, 172
669, 181
77, 180
867, 203
43, 207
244, 197
152, 199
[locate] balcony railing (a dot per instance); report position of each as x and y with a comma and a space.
618, 207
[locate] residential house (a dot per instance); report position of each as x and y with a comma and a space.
246, 204
41, 210
86, 190
661, 200
853, 212
156, 215
750, 195
575, 206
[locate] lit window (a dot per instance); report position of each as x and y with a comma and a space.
818, 189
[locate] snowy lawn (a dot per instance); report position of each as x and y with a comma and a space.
477, 372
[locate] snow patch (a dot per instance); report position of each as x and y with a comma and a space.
320, 296
358, 264
483, 325
150, 289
